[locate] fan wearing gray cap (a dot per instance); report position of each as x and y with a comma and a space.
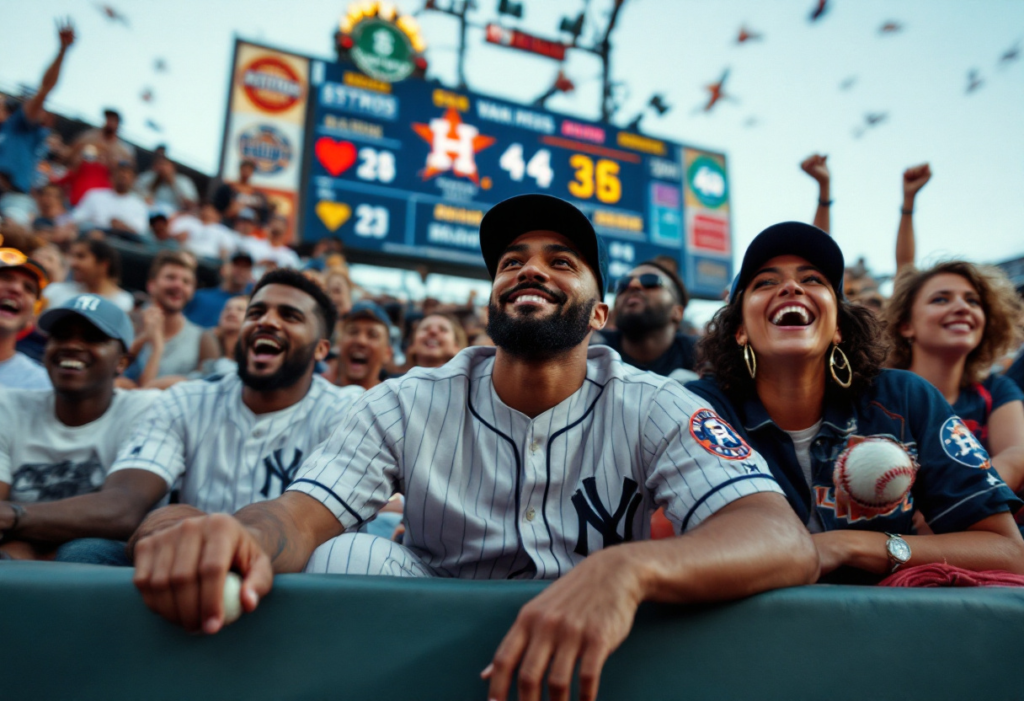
796, 370
60, 443
524, 461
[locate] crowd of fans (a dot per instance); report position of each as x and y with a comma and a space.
75, 378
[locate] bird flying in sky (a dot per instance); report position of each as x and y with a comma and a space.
1010, 55
890, 28
974, 81
716, 92
819, 10
848, 83
746, 35
112, 14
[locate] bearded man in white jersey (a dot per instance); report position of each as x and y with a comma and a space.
526, 461
227, 442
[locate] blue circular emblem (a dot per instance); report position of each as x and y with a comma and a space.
718, 437
267, 146
961, 445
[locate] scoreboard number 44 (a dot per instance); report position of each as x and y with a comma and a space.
539, 167
601, 179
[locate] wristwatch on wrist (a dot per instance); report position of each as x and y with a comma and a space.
18, 512
898, 551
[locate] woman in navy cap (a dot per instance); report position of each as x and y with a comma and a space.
797, 373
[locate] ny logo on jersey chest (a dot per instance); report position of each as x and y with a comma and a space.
276, 468
592, 512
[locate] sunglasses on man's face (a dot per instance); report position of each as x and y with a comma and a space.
648, 281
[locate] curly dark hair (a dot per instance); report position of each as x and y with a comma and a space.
719, 354
325, 310
999, 301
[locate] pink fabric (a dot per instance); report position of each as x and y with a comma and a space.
941, 575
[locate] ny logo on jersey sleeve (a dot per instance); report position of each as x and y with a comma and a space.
276, 468
591, 511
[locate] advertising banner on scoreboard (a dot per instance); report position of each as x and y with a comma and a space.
408, 170
266, 122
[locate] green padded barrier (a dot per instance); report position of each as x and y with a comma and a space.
81, 632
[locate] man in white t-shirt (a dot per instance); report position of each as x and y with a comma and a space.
61, 443
205, 235
21, 284
119, 209
274, 252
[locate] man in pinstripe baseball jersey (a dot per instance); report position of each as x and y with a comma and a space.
228, 442
525, 461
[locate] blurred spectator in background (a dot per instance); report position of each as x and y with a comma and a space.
235, 279
364, 346
649, 306
224, 337
163, 185
274, 252
339, 289
231, 198
160, 232
815, 166
328, 253
118, 209
50, 257
96, 269
205, 235
53, 221
23, 138
436, 340
21, 281
108, 147
949, 324
170, 346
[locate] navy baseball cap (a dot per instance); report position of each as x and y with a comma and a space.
792, 238
100, 312
513, 217
368, 309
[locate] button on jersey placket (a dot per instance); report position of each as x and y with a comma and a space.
535, 454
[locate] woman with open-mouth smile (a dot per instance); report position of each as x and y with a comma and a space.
949, 324
796, 373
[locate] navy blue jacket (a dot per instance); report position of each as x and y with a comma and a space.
955, 487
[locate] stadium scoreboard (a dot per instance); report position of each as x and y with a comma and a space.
406, 171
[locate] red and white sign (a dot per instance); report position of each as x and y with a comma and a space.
710, 234
271, 84
514, 39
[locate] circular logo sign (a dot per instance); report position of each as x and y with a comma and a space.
707, 182
717, 437
267, 146
382, 51
271, 84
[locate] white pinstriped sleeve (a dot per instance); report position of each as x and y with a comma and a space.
157, 441
353, 472
696, 463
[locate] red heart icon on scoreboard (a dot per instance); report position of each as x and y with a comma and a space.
335, 156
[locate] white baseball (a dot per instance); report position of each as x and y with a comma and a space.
232, 600
876, 473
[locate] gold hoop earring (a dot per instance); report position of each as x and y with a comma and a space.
750, 359
844, 365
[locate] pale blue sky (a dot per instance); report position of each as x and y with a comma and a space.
789, 82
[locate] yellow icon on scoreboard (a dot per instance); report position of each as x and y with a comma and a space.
333, 214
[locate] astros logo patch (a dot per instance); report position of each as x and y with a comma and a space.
961, 445
717, 437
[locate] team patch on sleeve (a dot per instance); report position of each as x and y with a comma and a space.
961, 445
717, 437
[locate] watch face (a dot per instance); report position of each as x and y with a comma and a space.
899, 549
